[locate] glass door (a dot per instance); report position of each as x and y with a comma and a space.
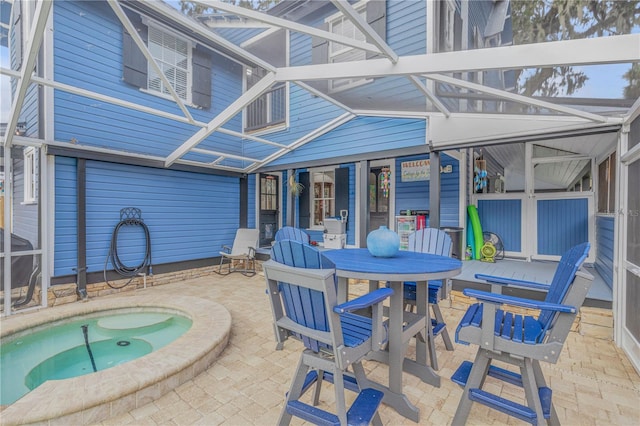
269, 208
379, 197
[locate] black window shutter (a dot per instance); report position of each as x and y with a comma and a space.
201, 87
304, 200
377, 18
320, 55
133, 61
342, 189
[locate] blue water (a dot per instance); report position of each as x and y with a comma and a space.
60, 352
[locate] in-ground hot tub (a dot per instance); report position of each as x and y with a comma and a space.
94, 397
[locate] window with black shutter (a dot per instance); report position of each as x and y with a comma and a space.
323, 51
326, 193
187, 69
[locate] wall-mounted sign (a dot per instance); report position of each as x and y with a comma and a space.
412, 171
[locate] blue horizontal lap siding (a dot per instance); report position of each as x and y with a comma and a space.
238, 35
66, 231
503, 218
189, 215
358, 136
406, 26
562, 224
604, 244
88, 54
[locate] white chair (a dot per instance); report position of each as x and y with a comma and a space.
242, 253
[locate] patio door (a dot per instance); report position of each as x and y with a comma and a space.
380, 197
628, 294
269, 208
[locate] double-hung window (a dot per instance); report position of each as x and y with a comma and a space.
341, 25
323, 196
31, 173
173, 56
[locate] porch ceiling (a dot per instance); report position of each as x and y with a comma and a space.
420, 86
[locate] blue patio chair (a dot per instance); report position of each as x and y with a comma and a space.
432, 241
291, 233
520, 340
302, 288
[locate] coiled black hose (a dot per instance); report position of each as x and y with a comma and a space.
118, 265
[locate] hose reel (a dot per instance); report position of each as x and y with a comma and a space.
129, 216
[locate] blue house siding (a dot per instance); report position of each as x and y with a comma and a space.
189, 215
89, 55
503, 218
66, 217
407, 27
415, 195
604, 248
358, 136
561, 225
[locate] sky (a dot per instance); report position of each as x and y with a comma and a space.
5, 88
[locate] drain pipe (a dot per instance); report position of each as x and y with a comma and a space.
81, 270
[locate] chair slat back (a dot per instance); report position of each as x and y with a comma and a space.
291, 233
244, 239
430, 240
570, 262
305, 306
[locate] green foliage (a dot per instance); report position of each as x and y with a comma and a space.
194, 8
537, 21
632, 91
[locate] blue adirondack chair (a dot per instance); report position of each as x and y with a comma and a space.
520, 340
291, 233
432, 241
302, 289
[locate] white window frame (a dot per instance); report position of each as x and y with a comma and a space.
449, 25
155, 26
331, 21
31, 174
312, 198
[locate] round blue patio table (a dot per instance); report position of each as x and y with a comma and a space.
403, 325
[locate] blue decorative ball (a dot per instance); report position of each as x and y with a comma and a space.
383, 242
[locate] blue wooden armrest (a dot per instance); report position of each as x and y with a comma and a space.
363, 301
510, 281
485, 296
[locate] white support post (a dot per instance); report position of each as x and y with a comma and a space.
34, 40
